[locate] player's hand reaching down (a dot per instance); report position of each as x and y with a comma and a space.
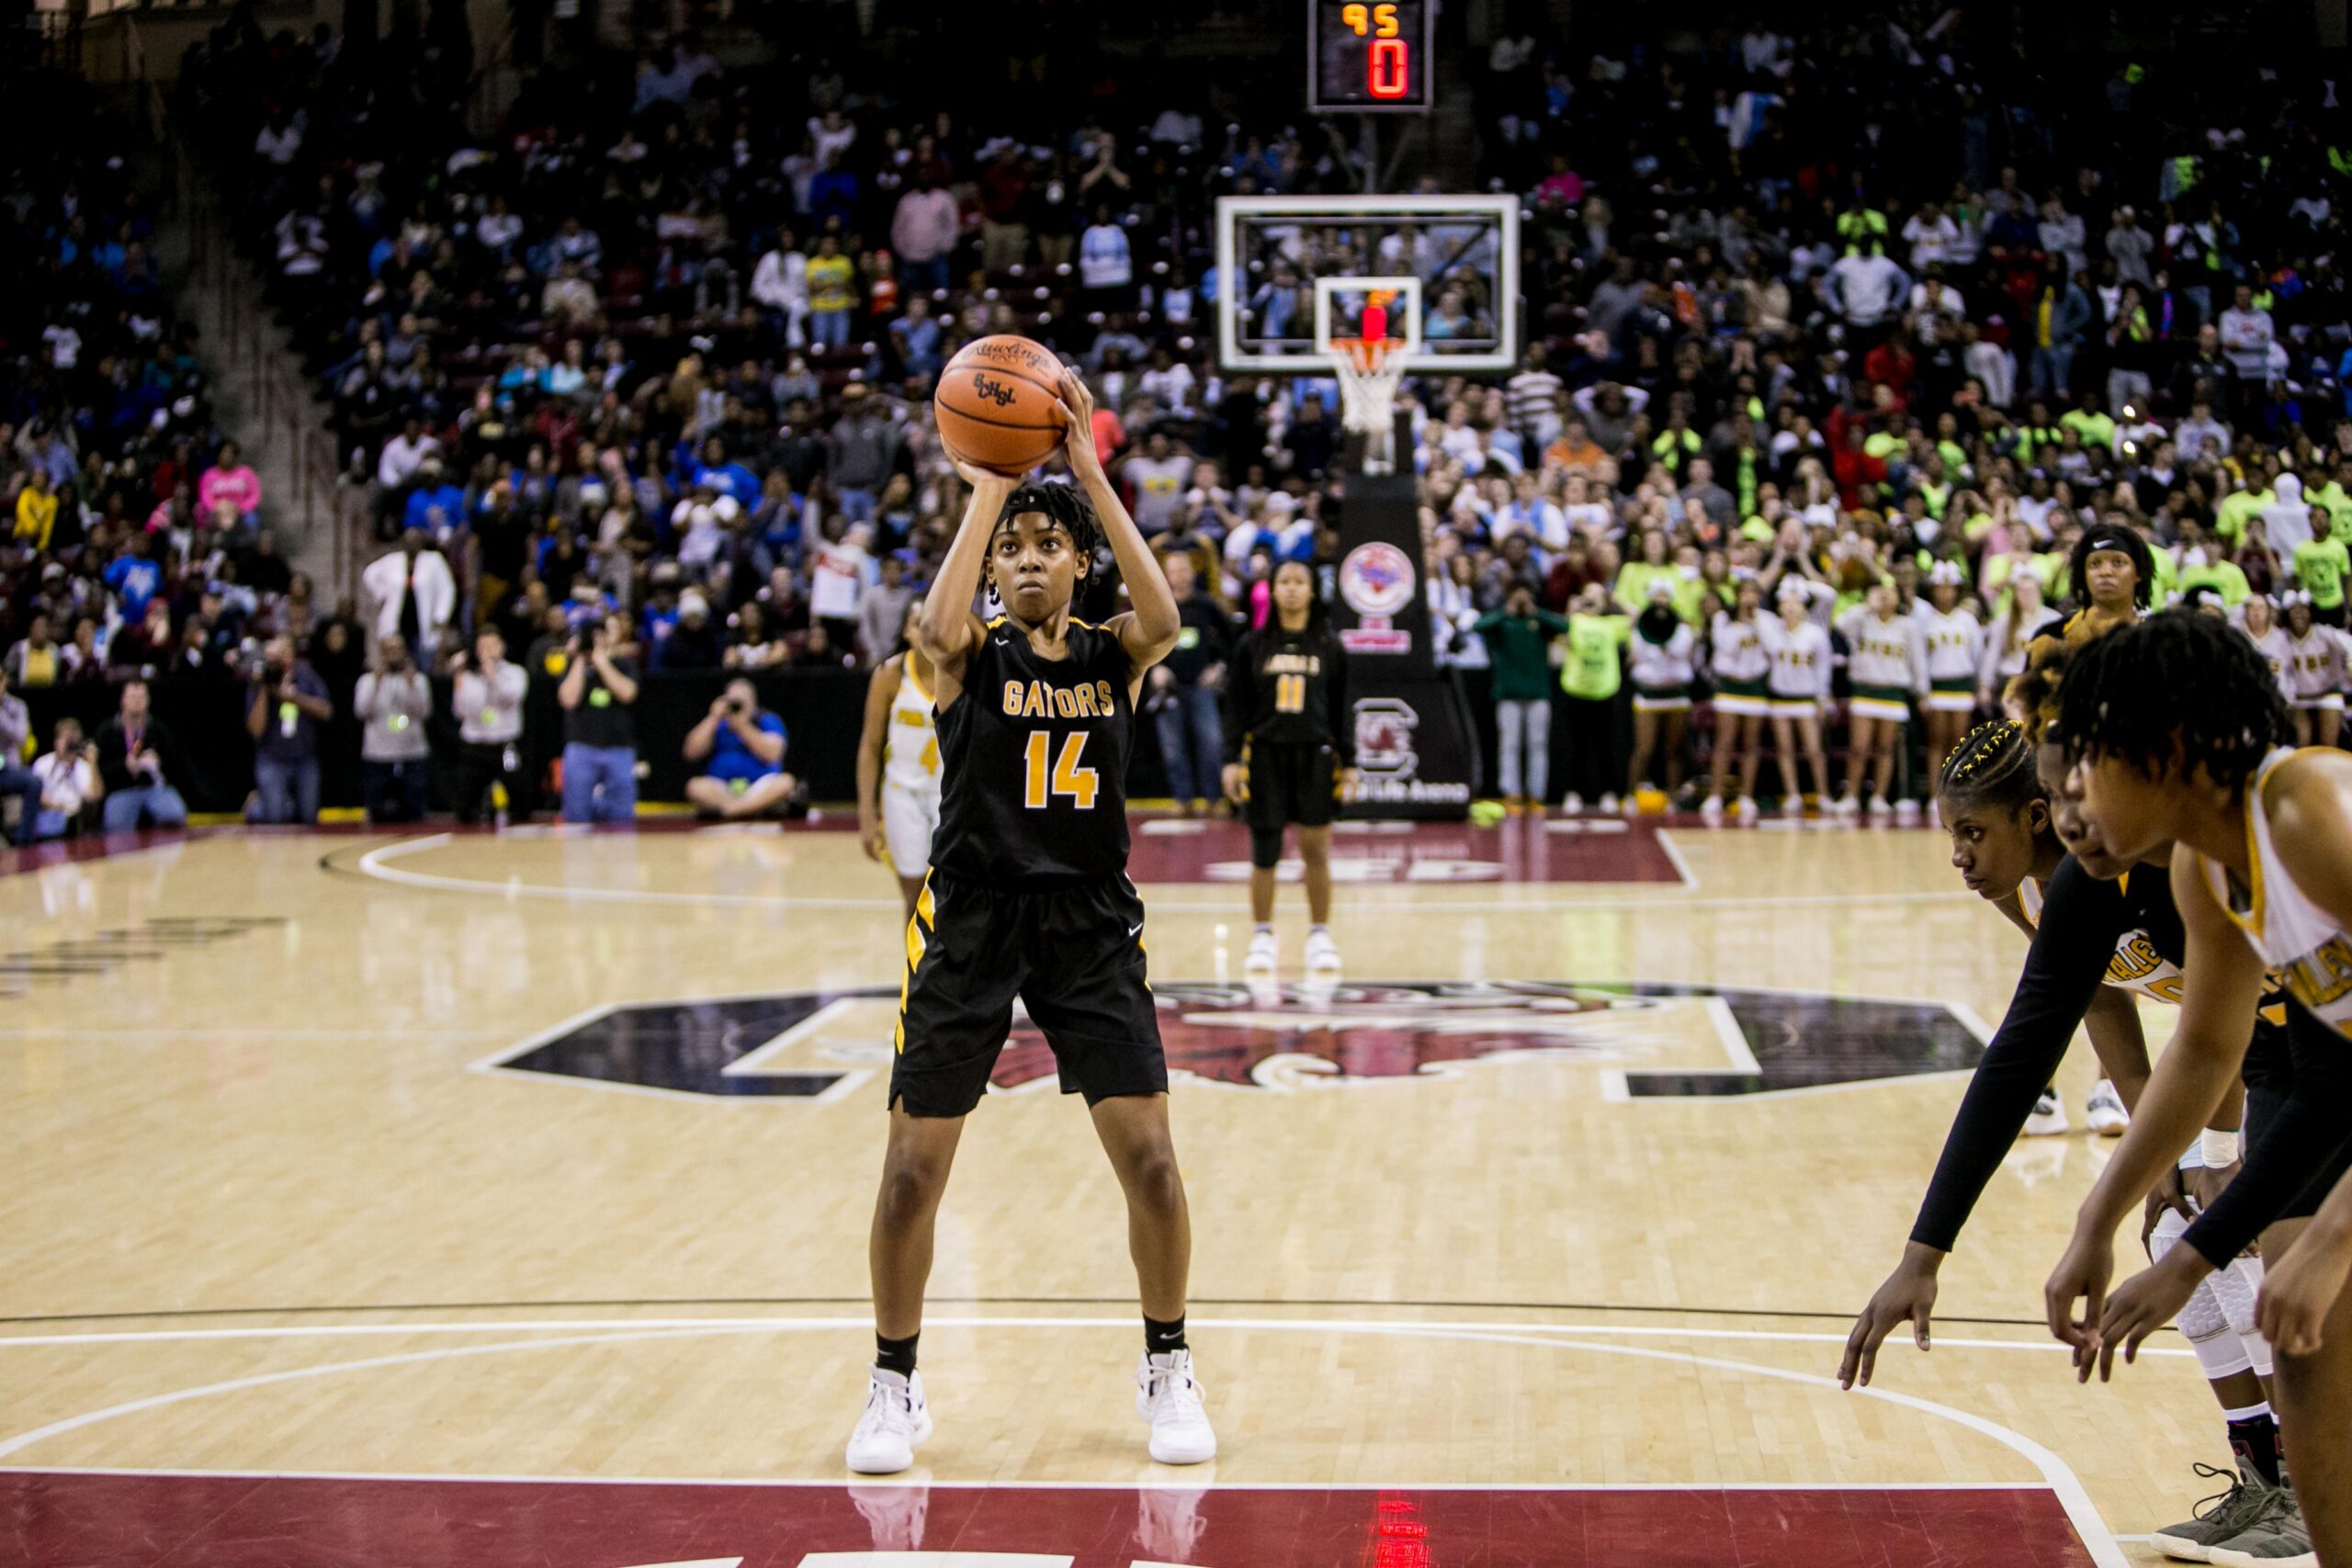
2081, 1275
1907, 1296
2146, 1302
1236, 782
2299, 1289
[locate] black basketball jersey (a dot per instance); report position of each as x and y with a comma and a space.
1033, 761
1290, 689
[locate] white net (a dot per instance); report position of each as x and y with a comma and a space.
1369, 378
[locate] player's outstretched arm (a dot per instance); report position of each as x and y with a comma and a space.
880, 692
2208, 1044
1150, 629
947, 630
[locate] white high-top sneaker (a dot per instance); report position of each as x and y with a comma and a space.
1322, 953
895, 1424
1168, 1398
1262, 954
2105, 1113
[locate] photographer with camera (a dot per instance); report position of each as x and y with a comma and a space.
69, 782
137, 759
599, 734
392, 702
283, 712
744, 745
489, 690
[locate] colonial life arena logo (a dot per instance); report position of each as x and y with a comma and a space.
1391, 763
821, 1046
1377, 581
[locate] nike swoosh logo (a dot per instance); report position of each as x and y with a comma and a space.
1137, 927
1004, 642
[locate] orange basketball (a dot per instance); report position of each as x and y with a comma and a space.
997, 405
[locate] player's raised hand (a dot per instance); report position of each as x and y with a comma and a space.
1907, 1296
1078, 423
973, 475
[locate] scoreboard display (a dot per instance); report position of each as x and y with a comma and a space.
1369, 55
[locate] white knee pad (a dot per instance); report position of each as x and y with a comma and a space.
2222, 1301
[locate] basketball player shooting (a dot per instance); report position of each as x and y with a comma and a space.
1028, 896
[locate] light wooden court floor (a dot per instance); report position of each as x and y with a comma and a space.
358, 1156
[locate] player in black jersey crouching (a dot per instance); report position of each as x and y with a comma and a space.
1290, 755
1028, 897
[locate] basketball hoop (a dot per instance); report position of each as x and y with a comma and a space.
1369, 377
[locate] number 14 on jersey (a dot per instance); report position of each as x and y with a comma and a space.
1067, 778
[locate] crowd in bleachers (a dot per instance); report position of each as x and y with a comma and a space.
1877, 302
130, 539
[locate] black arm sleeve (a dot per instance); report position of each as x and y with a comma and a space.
1240, 695
2296, 1145
2081, 917
1343, 724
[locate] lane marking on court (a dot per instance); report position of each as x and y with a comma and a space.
790, 1325
1664, 838
376, 864
2071, 1495
916, 1481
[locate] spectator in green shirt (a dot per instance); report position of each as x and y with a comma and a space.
1597, 721
1518, 637
2321, 562
2203, 564
1653, 562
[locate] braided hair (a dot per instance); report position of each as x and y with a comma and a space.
1065, 509
2031, 696
1993, 765
2175, 678
1063, 505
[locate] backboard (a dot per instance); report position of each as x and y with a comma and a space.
1295, 273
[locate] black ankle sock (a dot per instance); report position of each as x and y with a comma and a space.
1162, 1338
2256, 1442
896, 1354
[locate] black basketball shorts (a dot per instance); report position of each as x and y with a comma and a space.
2271, 1079
1290, 783
1073, 955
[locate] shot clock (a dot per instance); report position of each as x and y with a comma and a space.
1369, 55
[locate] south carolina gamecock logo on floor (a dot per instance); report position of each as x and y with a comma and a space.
1651, 1040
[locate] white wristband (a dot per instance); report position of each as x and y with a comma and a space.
2220, 1148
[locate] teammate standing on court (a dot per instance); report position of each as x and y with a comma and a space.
898, 768
1290, 755
1028, 896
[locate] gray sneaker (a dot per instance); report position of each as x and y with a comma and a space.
2274, 1538
2219, 1518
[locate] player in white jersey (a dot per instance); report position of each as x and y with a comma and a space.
2178, 733
898, 769
1886, 668
2319, 666
1739, 662
1661, 653
1795, 686
1955, 652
